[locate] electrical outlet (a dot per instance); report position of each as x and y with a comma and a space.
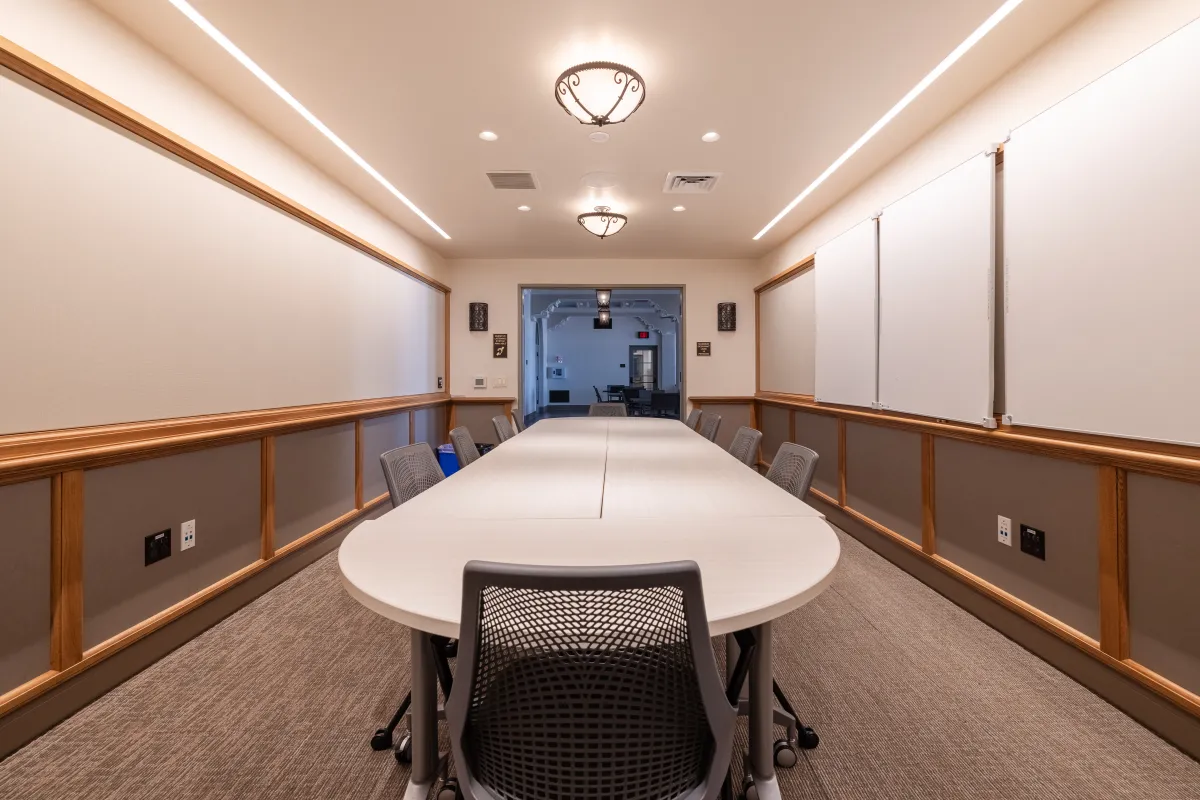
439, 381
158, 546
1033, 542
499, 383
187, 535
1004, 530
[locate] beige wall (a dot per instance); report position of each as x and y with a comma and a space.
728, 372
1112, 33
84, 41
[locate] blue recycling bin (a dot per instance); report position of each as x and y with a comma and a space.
447, 460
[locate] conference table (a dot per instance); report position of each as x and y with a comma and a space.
595, 491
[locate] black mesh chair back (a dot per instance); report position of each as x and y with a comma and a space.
607, 410
518, 425
464, 446
745, 446
596, 389
709, 426
693, 419
793, 468
410, 470
504, 429
587, 683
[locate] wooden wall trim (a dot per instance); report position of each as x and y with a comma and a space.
48, 76
468, 400
66, 569
267, 497
25, 456
757, 343
1113, 550
1172, 461
786, 275
740, 400
33, 689
928, 490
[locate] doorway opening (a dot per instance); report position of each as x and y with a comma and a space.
570, 360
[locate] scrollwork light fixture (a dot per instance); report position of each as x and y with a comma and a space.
603, 222
600, 92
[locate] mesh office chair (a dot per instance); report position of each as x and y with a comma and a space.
693, 419
588, 682
607, 410
518, 425
504, 429
596, 389
745, 446
464, 446
408, 471
793, 468
710, 425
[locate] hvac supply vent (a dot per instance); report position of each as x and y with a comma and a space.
691, 182
512, 180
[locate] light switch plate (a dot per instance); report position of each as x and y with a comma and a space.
1004, 530
499, 383
187, 535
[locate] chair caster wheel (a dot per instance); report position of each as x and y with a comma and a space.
449, 790
785, 754
749, 790
403, 751
808, 738
382, 740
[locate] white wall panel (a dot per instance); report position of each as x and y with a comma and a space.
787, 336
846, 296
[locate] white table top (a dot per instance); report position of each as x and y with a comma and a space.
754, 570
588, 468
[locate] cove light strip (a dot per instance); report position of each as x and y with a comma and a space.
203, 24
949, 61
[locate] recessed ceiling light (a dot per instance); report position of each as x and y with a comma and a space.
488, 136
522, 208
203, 24
949, 61
599, 137
679, 208
711, 136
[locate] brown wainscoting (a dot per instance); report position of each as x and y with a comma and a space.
47, 75
1113, 460
480, 424
66, 458
742, 411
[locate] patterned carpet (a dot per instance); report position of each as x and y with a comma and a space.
278, 701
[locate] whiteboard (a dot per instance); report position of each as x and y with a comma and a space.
1102, 325
937, 252
846, 295
136, 287
786, 333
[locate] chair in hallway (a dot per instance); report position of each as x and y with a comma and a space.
607, 410
745, 446
464, 446
693, 419
793, 468
504, 428
408, 471
596, 389
636, 637
710, 425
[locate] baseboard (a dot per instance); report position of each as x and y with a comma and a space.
40, 715
1165, 719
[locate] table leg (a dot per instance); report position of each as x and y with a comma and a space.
424, 718
762, 717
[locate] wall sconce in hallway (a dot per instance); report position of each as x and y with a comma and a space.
479, 317
727, 316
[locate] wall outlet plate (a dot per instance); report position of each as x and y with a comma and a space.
187, 535
499, 383
158, 546
439, 381
1004, 530
1033, 542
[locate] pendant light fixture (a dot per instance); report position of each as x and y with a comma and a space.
600, 92
603, 222
604, 299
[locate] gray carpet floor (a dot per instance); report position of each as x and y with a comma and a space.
278, 701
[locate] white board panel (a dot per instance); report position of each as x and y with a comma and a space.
936, 271
786, 333
1102, 331
846, 294
135, 287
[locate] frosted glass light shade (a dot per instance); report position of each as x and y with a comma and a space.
600, 92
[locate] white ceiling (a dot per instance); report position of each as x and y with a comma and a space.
789, 85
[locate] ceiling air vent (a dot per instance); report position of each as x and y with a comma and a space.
691, 182
512, 180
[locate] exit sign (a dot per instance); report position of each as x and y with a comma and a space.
643, 334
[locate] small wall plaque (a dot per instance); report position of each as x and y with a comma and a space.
727, 316
499, 345
478, 316
704, 348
